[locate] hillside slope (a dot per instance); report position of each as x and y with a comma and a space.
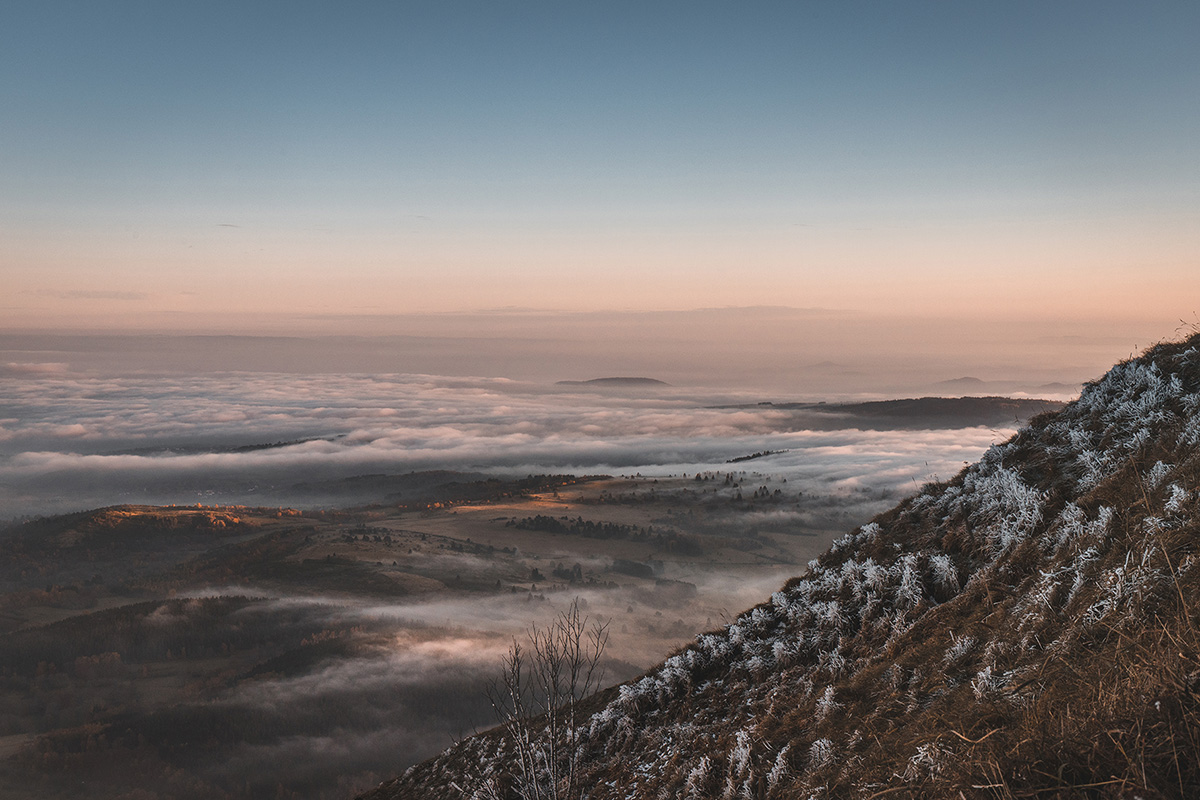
1027, 629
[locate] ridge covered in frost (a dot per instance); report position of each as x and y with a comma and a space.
932, 649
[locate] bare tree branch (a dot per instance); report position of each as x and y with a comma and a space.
536, 699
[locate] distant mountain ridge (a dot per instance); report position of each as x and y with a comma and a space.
614, 382
1026, 629
971, 385
914, 413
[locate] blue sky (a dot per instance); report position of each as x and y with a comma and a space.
348, 158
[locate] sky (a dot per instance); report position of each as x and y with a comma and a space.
201, 164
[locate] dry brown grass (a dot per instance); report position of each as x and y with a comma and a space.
1067, 666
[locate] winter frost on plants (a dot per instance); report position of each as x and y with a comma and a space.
695, 787
1179, 497
945, 576
960, 647
927, 762
855, 539
826, 704
1123, 587
988, 683
779, 769
820, 754
1158, 474
970, 536
1012, 509
909, 592
738, 778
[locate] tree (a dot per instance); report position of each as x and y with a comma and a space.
537, 700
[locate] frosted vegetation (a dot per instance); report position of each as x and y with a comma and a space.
1050, 543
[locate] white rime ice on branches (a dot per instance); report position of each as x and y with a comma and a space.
960, 647
813, 629
910, 592
820, 754
945, 576
1079, 566
927, 761
1179, 496
697, 779
1003, 500
779, 770
855, 539
545, 680
740, 757
1123, 587
1072, 525
1158, 474
987, 683
826, 705
738, 783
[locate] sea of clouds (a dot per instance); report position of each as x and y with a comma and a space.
70, 442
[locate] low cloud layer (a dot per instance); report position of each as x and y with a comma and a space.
412, 679
419, 681
68, 443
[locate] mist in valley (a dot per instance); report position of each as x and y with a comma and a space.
302, 308
346, 555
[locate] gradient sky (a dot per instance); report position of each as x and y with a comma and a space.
163, 160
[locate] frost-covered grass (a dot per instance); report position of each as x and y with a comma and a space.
1026, 623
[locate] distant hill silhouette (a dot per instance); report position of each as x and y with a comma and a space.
914, 413
614, 382
965, 382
